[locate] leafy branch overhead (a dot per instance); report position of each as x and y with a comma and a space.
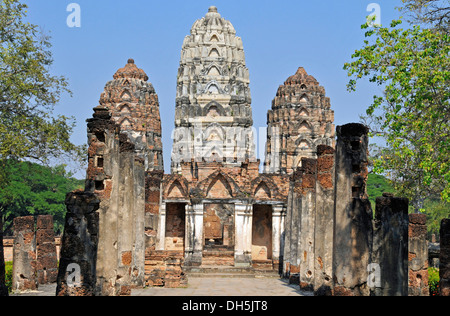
413, 114
29, 92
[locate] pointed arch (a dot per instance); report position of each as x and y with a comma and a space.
213, 71
214, 38
219, 188
124, 108
126, 95
176, 190
304, 99
126, 123
214, 53
304, 127
303, 112
262, 191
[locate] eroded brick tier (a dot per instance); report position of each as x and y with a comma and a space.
300, 119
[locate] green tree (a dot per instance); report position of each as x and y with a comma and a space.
434, 14
28, 95
28, 92
413, 113
36, 190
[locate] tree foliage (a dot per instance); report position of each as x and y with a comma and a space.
434, 14
36, 190
413, 113
29, 92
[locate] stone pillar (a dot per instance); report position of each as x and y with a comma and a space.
278, 214
353, 214
390, 246
24, 257
194, 235
3, 288
418, 256
306, 242
291, 260
77, 265
243, 235
47, 262
323, 281
162, 228
444, 259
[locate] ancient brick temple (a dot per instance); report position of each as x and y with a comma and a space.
134, 226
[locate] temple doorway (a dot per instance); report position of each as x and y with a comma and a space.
175, 227
218, 234
262, 233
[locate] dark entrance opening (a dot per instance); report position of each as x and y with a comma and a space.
218, 234
262, 233
175, 227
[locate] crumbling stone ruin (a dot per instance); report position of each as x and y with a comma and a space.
418, 256
444, 259
307, 217
35, 260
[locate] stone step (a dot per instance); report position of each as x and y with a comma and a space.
228, 272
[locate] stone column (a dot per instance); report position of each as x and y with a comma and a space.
24, 256
79, 245
162, 227
194, 235
47, 262
390, 246
306, 240
418, 256
353, 231
323, 281
278, 214
243, 235
444, 259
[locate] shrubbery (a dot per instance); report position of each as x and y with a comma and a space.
8, 275
433, 281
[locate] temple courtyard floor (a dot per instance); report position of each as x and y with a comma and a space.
209, 287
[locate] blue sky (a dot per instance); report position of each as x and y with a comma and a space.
278, 37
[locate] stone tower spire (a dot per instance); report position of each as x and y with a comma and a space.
300, 119
134, 106
213, 120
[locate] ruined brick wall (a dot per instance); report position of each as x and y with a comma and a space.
47, 261
125, 170
333, 245
353, 213
444, 258
390, 246
299, 238
164, 269
77, 265
323, 235
34, 252
418, 256
24, 268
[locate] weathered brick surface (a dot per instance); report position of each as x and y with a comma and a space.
444, 259
164, 269
79, 246
418, 256
47, 263
24, 268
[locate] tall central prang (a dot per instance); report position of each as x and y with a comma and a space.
213, 120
